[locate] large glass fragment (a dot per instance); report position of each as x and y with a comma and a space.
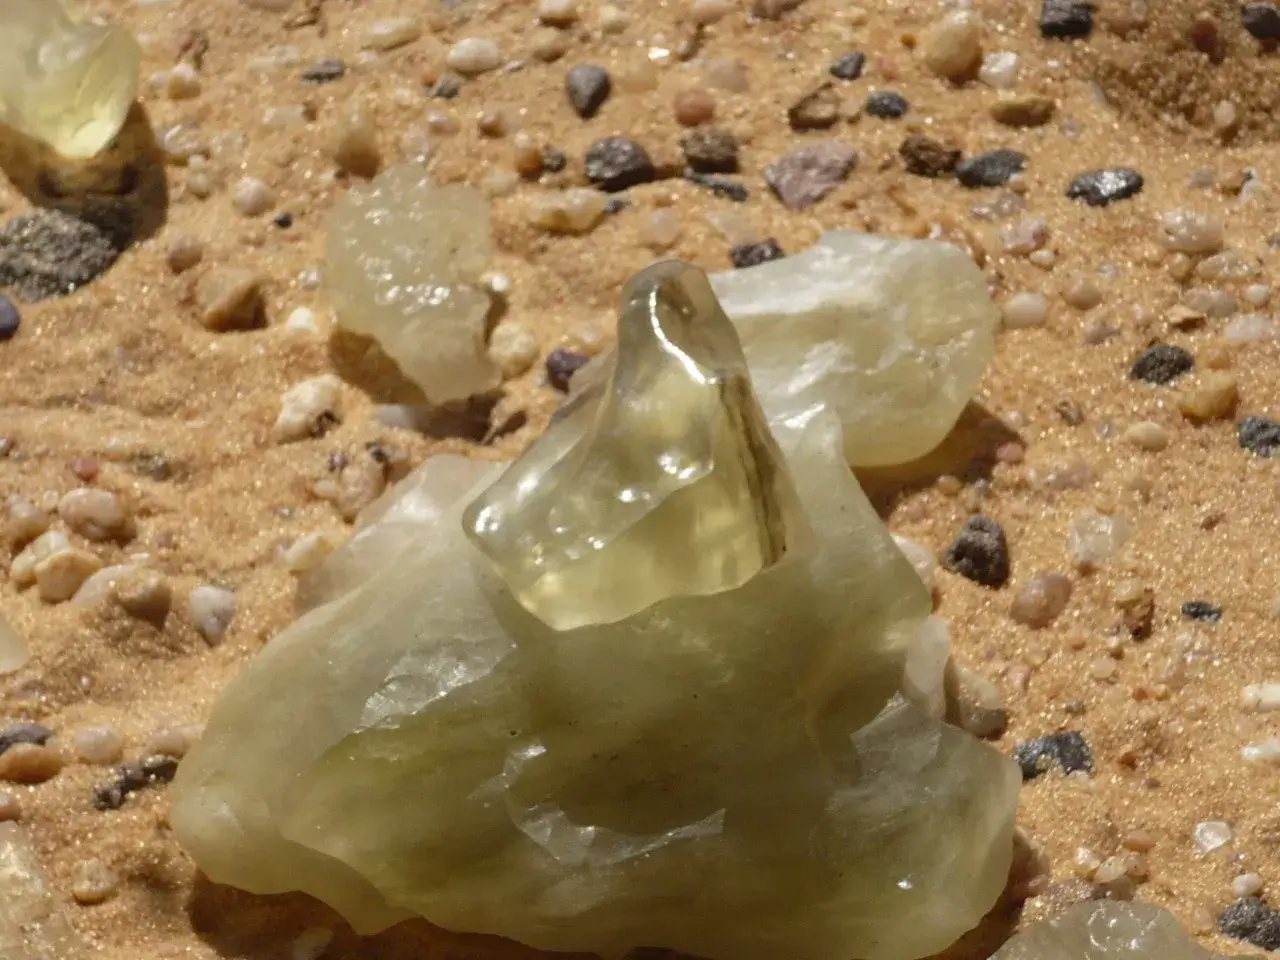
1105, 930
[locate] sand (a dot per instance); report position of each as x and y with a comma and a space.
124, 372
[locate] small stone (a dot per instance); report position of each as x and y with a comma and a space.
353, 143
1211, 835
1202, 610
562, 365
446, 87
660, 229
513, 348
711, 150
95, 514
391, 33
1041, 600
1215, 397
174, 741
1023, 110
1068, 750
1161, 364
1098, 188
613, 20
991, 169
29, 763
182, 82
1262, 20
10, 319
926, 157
212, 610
325, 71
10, 808
999, 69
131, 777
1147, 435
1082, 295
980, 553
1247, 885
575, 211
1251, 920
1066, 19
302, 320
102, 746
816, 110
49, 253
849, 67
184, 253
1093, 538
145, 595
26, 521
252, 197
17, 733
753, 254
973, 702
308, 408
549, 45
1259, 435
720, 186
1025, 310
617, 163
558, 13
587, 87
1211, 302
953, 46
61, 574
886, 105
1187, 231
230, 298
807, 174
93, 882
474, 56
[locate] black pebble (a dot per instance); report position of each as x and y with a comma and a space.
1065, 19
10, 319
616, 205
849, 67
1098, 188
1251, 920
1202, 610
1068, 750
1259, 435
753, 254
720, 186
887, 105
324, 71
990, 169
980, 553
553, 160
131, 777
446, 88
283, 220
616, 163
587, 87
1262, 20
1161, 363
18, 733
561, 365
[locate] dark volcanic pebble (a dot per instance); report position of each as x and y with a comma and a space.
807, 174
887, 105
18, 733
720, 186
50, 253
1064, 19
849, 67
1262, 20
753, 254
587, 87
990, 169
616, 163
926, 157
10, 319
1068, 750
1251, 920
1161, 363
980, 553
446, 88
711, 150
325, 71
1259, 435
131, 777
1098, 188
816, 110
553, 160
1202, 610
561, 366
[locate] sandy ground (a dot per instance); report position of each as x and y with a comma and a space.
122, 371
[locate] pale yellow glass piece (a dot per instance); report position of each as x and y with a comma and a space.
1106, 930
33, 925
67, 81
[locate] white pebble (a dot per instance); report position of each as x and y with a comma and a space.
953, 46
558, 13
921, 559
1257, 294
252, 197
660, 229
514, 348
94, 514
1248, 328
1261, 697
391, 33
212, 609
307, 552
1247, 885
182, 82
1025, 310
1094, 538
1268, 751
1211, 302
1210, 835
999, 69
1147, 435
302, 320
474, 55
22, 571
1025, 236
304, 405
1187, 231
101, 746
613, 20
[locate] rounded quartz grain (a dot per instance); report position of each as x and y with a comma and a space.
473, 56
1210, 835
252, 197
1041, 600
145, 595
705, 12
25, 522
999, 69
1025, 310
513, 348
173, 741
1247, 885
230, 298
1211, 302
575, 211
96, 515
101, 746
29, 763
1148, 435
211, 610
1025, 236
559, 13
10, 808
1082, 295
1214, 398
61, 574
659, 229
185, 252
93, 882
953, 46
1094, 538
694, 107
1191, 232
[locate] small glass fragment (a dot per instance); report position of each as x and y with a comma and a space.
1105, 930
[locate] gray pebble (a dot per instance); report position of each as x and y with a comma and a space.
49, 253
587, 87
990, 169
980, 553
807, 174
1098, 188
616, 163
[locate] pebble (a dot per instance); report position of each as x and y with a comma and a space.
979, 553
1082, 295
513, 348
93, 882
575, 211
61, 574
694, 107
558, 13
953, 46
1187, 231
1268, 751
1202, 610
746, 255
991, 169
10, 319
618, 163
549, 45
1247, 885
1161, 364
29, 763
926, 157
973, 702
711, 150
1210, 835
1025, 310
1251, 920
1024, 236
1067, 750
252, 197
353, 143
131, 777
98, 745
1262, 20
659, 230
230, 298
1023, 110
182, 82
473, 56
95, 514
10, 808
1094, 538
447, 87
848, 67
587, 87
1259, 435
1066, 19
1215, 397
308, 408
1098, 188
999, 69
22, 570
174, 741
185, 252
302, 320
25, 732
816, 110
562, 365
1041, 600
26, 521
1211, 302
886, 105
49, 253
720, 186
613, 20
807, 174
325, 71
211, 609
1148, 435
